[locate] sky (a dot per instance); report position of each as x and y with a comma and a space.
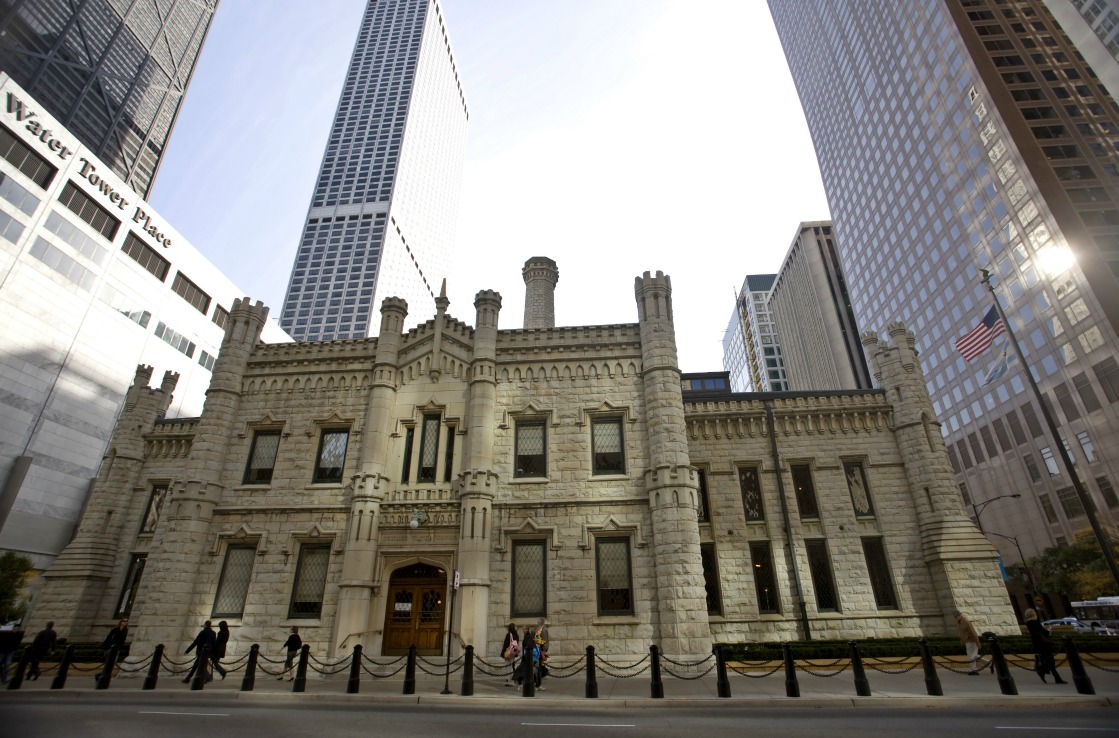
613, 136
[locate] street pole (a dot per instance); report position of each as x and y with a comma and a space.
978, 509
1051, 424
1021, 557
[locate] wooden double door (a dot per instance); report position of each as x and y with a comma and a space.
416, 606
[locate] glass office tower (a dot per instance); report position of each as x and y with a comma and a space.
960, 135
113, 73
381, 221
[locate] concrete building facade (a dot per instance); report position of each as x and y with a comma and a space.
92, 281
751, 349
960, 136
569, 473
812, 312
382, 217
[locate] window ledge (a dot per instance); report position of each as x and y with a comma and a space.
608, 477
615, 620
528, 480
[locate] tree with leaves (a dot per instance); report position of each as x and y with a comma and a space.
14, 572
1077, 570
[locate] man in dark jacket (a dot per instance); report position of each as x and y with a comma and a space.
204, 642
115, 640
41, 647
219, 648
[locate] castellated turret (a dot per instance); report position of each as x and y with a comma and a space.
963, 564
87, 576
541, 275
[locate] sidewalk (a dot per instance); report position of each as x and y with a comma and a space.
887, 690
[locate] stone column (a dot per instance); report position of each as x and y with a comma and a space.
355, 593
541, 275
670, 480
962, 562
477, 483
169, 608
82, 584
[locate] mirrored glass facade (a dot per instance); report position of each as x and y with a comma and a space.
961, 135
113, 72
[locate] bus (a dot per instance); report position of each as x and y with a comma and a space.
1103, 612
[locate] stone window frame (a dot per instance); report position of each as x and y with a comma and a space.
530, 413
880, 573
607, 409
613, 537
528, 540
411, 450
861, 463
131, 584
265, 428
712, 583
305, 546
224, 579
822, 573
156, 503
809, 465
603, 420
703, 492
333, 424
756, 466
769, 570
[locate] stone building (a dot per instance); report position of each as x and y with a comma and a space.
570, 473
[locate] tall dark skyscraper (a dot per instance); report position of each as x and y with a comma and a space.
381, 221
961, 135
113, 72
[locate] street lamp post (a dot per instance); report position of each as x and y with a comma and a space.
1021, 557
978, 509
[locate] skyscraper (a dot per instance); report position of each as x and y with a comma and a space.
961, 135
381, 221
114, 74
751, 352
816, 328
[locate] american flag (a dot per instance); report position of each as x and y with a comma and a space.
982, 336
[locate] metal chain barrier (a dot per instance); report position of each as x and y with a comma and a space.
566, 671
606, 668
604, 662
671, 673
329, 668
868, 663
1098, 662
439, 669
837, 672
755, 664
500, 669
947, 661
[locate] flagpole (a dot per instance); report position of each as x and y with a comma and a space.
1081, 493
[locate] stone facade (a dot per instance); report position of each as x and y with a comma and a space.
571, 473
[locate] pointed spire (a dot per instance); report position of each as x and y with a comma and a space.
441, 302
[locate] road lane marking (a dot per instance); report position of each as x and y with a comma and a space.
195, 714
580, 725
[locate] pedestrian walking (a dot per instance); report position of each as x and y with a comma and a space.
969, 636
511, 651
204, 642
220, 642
1043, 648
540, 652
115, 639
41, 647
9, 644
291, 646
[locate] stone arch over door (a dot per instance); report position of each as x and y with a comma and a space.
416, 610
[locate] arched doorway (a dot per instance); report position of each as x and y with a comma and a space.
416, 603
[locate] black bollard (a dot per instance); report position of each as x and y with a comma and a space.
1006, 682
656, 686
528, 678
792, 687
932, 681
862, 686
592, 676
300, 683
17, 679
1079, 676
249, 680
721, 681
200, 671
152, 678
468, 672
106, 675
59, 680
410, 672
353, 686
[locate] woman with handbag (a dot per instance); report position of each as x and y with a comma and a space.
510, 650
